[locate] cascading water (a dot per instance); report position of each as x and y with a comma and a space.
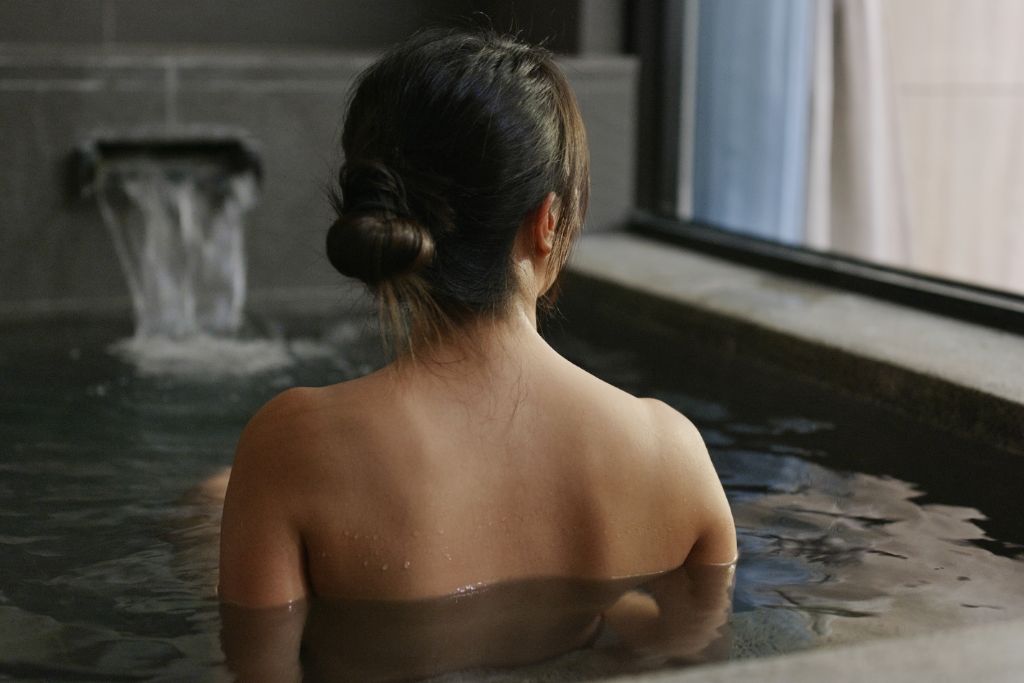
175, 208
177, 227
178, 232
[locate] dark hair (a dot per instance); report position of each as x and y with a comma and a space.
450, 141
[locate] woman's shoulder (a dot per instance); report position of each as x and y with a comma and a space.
304, 406
292, 423
660, 436
675, 435
292, 411
662, 424
693, 488
272, 446
658, 450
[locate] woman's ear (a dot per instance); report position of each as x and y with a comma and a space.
543, 223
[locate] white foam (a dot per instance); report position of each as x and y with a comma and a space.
203, 356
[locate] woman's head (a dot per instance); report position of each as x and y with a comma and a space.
451, 141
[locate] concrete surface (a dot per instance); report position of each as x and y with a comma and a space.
948, 373
990, 653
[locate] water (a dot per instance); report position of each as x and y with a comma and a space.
853, 523
510, 624
177, 226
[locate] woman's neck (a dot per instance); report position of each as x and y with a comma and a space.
486, 346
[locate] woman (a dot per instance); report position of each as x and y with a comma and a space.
479, 456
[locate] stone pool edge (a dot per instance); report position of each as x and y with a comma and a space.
988, 652
941, 371
950, 374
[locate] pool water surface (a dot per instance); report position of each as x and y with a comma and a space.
853, 524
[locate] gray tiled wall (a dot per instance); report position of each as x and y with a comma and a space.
52, 21
352, 24
346, 24
54, 250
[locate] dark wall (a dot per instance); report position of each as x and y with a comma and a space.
565, 25
570, 26
555, 24
311, 23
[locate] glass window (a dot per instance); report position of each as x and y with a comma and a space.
885, 130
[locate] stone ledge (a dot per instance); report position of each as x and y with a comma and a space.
948, 373
989, 653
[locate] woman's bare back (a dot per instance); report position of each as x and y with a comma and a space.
421, 480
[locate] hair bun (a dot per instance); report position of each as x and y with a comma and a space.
373, 247
374, 238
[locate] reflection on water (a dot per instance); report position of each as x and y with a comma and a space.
857, 558
624, 625
853, 524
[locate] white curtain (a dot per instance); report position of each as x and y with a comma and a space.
794, 130
959, 70
856, 199
887, 130
750, 116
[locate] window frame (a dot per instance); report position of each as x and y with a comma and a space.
660, 28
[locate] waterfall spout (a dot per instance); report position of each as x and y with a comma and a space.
174, 209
